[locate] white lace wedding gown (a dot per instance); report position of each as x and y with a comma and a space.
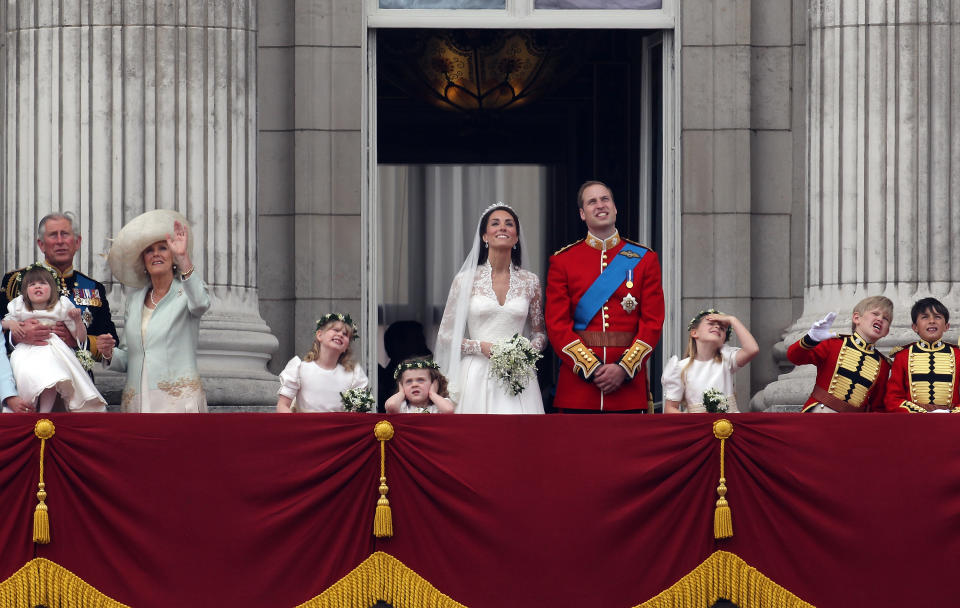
488, 321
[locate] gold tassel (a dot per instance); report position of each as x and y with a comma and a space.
722, 518
383, 519
44, 430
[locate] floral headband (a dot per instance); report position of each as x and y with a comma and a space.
415, 364
61, 288
342, 318
700, 315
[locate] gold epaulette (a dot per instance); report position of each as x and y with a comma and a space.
897, 349
632, 242
565, 247
10, 287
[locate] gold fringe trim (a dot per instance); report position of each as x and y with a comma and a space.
383, 518
722, 517
41, 582
381, 577
724, 575
44, 430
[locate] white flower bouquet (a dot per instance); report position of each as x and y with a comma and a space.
358, 400
85, 358
715, 401
513, 363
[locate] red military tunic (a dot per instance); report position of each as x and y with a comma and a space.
924, 378
613, 335
851, 373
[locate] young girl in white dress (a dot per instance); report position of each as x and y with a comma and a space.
710, 363
316, 381
45, 371
421, 389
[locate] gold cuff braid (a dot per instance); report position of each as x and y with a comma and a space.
584, 361
634, 357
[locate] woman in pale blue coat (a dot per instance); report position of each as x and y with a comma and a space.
162, 327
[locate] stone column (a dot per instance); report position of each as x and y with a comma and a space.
114, 107
883, 167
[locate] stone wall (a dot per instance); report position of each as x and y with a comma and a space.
743, 111
311, 75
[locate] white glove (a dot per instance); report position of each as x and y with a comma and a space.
820, 330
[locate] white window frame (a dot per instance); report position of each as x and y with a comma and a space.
520, 14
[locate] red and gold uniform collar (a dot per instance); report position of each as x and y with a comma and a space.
924, 345
861, 343
603, 244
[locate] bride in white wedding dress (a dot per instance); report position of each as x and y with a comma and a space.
491, 299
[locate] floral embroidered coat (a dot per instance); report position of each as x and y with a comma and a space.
163, 361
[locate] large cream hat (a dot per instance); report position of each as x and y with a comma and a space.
126, 254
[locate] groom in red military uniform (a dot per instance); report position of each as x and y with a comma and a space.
604, 312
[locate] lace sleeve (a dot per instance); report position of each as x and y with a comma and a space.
538, 330
448, 326
470, 347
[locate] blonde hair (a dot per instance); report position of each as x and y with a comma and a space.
879, 302
692, 351
346, 357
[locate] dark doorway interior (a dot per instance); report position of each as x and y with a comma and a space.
587, 128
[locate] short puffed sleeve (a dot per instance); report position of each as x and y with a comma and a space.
729, 355
290, 379
672, 383
359, 379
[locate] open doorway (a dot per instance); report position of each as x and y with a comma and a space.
598, 116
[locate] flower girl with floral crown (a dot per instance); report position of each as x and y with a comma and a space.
327, 379
421, 389
51, 370
703, 381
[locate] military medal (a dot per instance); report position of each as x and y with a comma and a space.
629, 303
87, 317
630, 279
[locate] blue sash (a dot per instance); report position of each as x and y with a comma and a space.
613, 275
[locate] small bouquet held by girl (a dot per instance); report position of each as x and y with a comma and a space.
318, 382
703, 381
51, 370
421, 389
513, 363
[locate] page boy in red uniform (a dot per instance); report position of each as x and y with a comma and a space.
851, 373
924, 374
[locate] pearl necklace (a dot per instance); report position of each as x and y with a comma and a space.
155, 303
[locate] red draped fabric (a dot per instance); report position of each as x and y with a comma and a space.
267, 510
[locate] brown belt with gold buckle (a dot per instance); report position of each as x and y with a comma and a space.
832, 402
621, 339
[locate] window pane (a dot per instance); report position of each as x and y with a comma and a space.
599, 4
434, 4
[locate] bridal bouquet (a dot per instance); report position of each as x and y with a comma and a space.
85, 358
512, 363
356, 400
715, 401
